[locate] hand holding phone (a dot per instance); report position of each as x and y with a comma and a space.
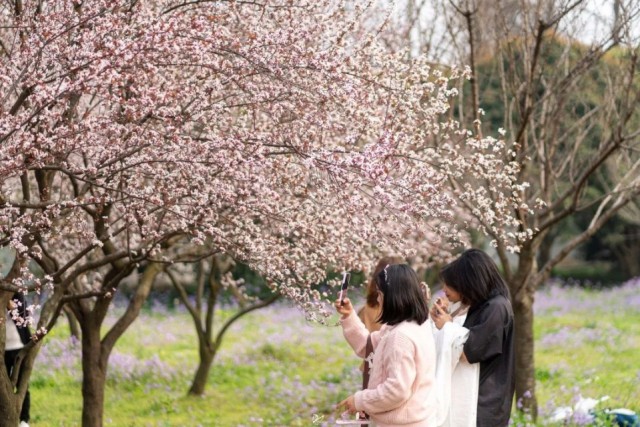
343, 288
442, 303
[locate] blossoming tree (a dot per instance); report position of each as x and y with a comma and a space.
562, 79
278, 133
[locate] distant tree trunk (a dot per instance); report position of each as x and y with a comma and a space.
202, 312
207, 354
94, 373
208, 350
627, 253
629, 260
74, 327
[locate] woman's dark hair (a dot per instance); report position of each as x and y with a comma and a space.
372, 287
475, 276
403, 298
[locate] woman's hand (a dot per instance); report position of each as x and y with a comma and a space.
349, 404
344, 307
442, 303
439, 312
435, 307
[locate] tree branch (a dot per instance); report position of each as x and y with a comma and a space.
586, 234
241, 313
135, 304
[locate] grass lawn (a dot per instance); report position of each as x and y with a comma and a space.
276, 369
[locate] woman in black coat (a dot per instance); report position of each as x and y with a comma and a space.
475, 276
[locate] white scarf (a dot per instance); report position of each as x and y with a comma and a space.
456, 381
13, 341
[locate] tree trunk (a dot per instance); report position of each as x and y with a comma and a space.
523, 286
9, 411
96, 350
93, 378
202, 373
13, 388
16, 391
627, 255
524, 347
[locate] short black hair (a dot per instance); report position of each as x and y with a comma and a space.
403, 298
475, 276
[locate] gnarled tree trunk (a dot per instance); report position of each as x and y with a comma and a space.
96, 350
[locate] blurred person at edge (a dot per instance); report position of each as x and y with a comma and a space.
17, 336
475, 277
401, 389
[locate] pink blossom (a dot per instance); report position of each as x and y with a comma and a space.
286, 137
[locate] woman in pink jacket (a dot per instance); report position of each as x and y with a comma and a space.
401, 383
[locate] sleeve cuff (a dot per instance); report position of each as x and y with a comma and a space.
358, 401
349, 320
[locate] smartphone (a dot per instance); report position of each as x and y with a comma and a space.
343, 288
360, 419
355, 422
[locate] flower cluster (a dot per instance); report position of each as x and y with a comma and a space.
282, 134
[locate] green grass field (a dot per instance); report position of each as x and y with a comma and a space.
275, 369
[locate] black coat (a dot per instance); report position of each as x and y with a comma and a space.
491, 343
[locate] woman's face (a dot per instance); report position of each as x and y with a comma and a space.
452, 294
